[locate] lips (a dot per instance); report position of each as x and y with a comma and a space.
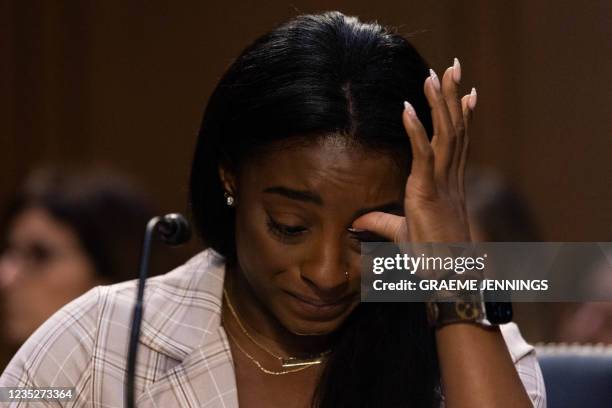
319, 302
318, 309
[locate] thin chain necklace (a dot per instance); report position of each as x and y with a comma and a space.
300, 363
258, 364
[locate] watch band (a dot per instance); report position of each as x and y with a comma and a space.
458, 311
469, 309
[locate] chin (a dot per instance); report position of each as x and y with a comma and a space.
313, 322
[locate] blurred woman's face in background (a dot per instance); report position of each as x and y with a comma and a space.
42, 268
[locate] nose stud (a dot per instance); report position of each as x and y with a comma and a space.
347, 275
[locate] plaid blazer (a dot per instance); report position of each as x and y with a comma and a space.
184, 357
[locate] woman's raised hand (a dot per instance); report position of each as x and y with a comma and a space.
434, 200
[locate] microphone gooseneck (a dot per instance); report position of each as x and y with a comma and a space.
173, 230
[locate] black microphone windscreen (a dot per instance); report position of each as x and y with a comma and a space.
174, 229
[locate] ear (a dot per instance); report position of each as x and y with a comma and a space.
228, 179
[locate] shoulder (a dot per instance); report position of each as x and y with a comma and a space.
524, 357
177, 309
59, 348
90, 334
177, 292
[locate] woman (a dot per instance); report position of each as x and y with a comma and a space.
66, 232
305, 149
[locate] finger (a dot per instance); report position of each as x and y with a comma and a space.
389, 226
422, 168
450, 90
444, 133
468, 103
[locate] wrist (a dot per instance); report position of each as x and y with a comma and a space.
469, 307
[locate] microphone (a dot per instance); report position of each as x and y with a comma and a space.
173, 230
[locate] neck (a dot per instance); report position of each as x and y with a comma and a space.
261, 324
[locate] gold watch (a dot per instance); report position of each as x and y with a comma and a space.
469, 309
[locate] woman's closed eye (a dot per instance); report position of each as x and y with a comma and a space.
285, 231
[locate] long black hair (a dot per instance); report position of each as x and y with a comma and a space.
316, 75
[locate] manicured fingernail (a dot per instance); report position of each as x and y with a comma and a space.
408, 108
456, 71
434, 79
472, 99
355, 230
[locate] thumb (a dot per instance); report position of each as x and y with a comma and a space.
389, 226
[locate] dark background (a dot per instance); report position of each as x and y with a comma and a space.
124, 83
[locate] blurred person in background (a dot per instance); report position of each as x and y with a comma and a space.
498, 213
590, 322
64, 233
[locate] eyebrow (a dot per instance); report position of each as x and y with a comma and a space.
311, 197
299, 195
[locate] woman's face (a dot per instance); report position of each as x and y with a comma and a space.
43, 268
294, 208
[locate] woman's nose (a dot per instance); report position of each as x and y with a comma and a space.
326, 269
9, 270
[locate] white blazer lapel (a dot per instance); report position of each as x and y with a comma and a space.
205, 377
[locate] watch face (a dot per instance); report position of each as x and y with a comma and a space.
468, 310
498, 312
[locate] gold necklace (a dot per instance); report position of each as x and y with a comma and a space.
301, 363
258, 364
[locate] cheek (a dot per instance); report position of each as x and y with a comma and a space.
38, 296
62, 282
79, 272
264, 260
